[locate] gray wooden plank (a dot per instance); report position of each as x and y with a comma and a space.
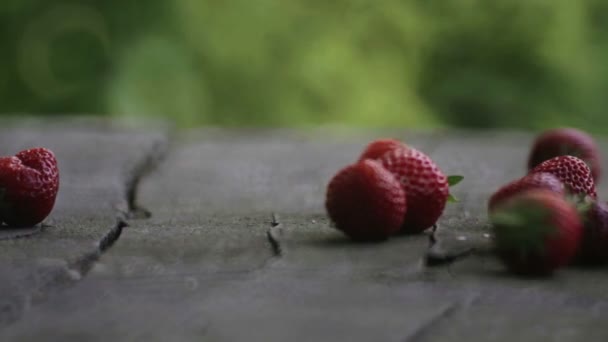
204, 266
228, 172
97, 159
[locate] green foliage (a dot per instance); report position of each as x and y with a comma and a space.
470, 63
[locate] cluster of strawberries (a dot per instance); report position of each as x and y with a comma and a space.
548, 219
29, 182
551, 217
392, 188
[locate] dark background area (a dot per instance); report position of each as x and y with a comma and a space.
417, 63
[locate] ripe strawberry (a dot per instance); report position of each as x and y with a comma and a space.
541, 180
594, 247
536, 232
377, 148
365, 201
426, 187
573, 172
29, 182
566, 141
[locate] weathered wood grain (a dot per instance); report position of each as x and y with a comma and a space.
97, 162
213, 263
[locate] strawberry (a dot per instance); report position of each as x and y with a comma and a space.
566, 141
540, 180
594, 247
29, 182
377, 148
536, 232
573, 172
426, 187
365, 201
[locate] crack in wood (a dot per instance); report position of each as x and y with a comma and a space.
437, 255
144, 167
85, 263
271, 236
426, 327
44, 281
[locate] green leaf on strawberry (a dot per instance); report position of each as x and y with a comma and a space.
536, 232
523, 227
454, 180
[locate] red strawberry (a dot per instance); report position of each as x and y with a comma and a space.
29, 183
426, 187
541, 180
566, 141
594, 248
536, 232
573, 172
378, 148
365, 201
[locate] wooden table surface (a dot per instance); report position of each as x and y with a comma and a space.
238, 247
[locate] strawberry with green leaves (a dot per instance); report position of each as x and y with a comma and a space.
536, 232
426, 187
566, 141
366, 202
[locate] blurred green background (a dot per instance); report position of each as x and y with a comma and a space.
417, 63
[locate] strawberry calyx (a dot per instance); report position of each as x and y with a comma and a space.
577, 198
453, 180
582, 205
581, 202
522, 226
